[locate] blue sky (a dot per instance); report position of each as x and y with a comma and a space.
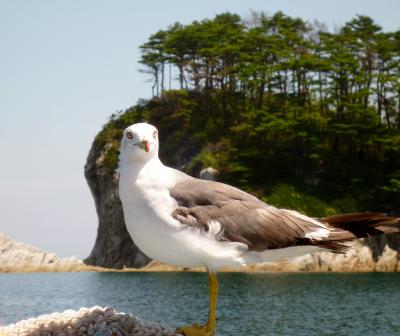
65, 67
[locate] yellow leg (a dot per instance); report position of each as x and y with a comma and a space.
209, 328
212, 318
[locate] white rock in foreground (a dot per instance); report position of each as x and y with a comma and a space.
95, 321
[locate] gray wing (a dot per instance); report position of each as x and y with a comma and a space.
243, 217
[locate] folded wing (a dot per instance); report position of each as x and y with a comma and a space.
241, 217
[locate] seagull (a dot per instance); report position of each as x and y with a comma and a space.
184, 221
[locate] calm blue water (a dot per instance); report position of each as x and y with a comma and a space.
249, 304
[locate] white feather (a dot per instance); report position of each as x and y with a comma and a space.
319, 233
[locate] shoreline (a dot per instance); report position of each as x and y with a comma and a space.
155, 267
359, 259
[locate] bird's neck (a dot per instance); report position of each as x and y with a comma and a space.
135, 170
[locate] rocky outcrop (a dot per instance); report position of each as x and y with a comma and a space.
20, 257
114, 247
359, 258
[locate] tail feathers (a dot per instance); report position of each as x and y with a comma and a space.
356, 225
361, 219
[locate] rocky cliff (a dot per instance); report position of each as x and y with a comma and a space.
113, 247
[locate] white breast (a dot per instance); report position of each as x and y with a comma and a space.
148, 206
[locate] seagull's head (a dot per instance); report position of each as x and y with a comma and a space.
139, 143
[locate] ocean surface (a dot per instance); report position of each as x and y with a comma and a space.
249, 304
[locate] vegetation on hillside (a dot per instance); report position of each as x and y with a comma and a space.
298, 115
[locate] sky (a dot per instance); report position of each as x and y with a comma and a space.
65, 67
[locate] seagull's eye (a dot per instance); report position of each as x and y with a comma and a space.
155, 133
129, 135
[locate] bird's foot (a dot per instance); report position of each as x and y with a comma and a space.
195, 330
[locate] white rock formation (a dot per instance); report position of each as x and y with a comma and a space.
359, 258
20, 257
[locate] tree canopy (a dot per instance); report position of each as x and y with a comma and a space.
295, 113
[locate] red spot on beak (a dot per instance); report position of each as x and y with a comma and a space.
147, 146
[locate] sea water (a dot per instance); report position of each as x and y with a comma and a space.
249, 304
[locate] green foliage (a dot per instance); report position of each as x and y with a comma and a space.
275, 99
287, 196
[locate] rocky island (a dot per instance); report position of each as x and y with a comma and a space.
296, 121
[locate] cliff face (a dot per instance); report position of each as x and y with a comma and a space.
114, 247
